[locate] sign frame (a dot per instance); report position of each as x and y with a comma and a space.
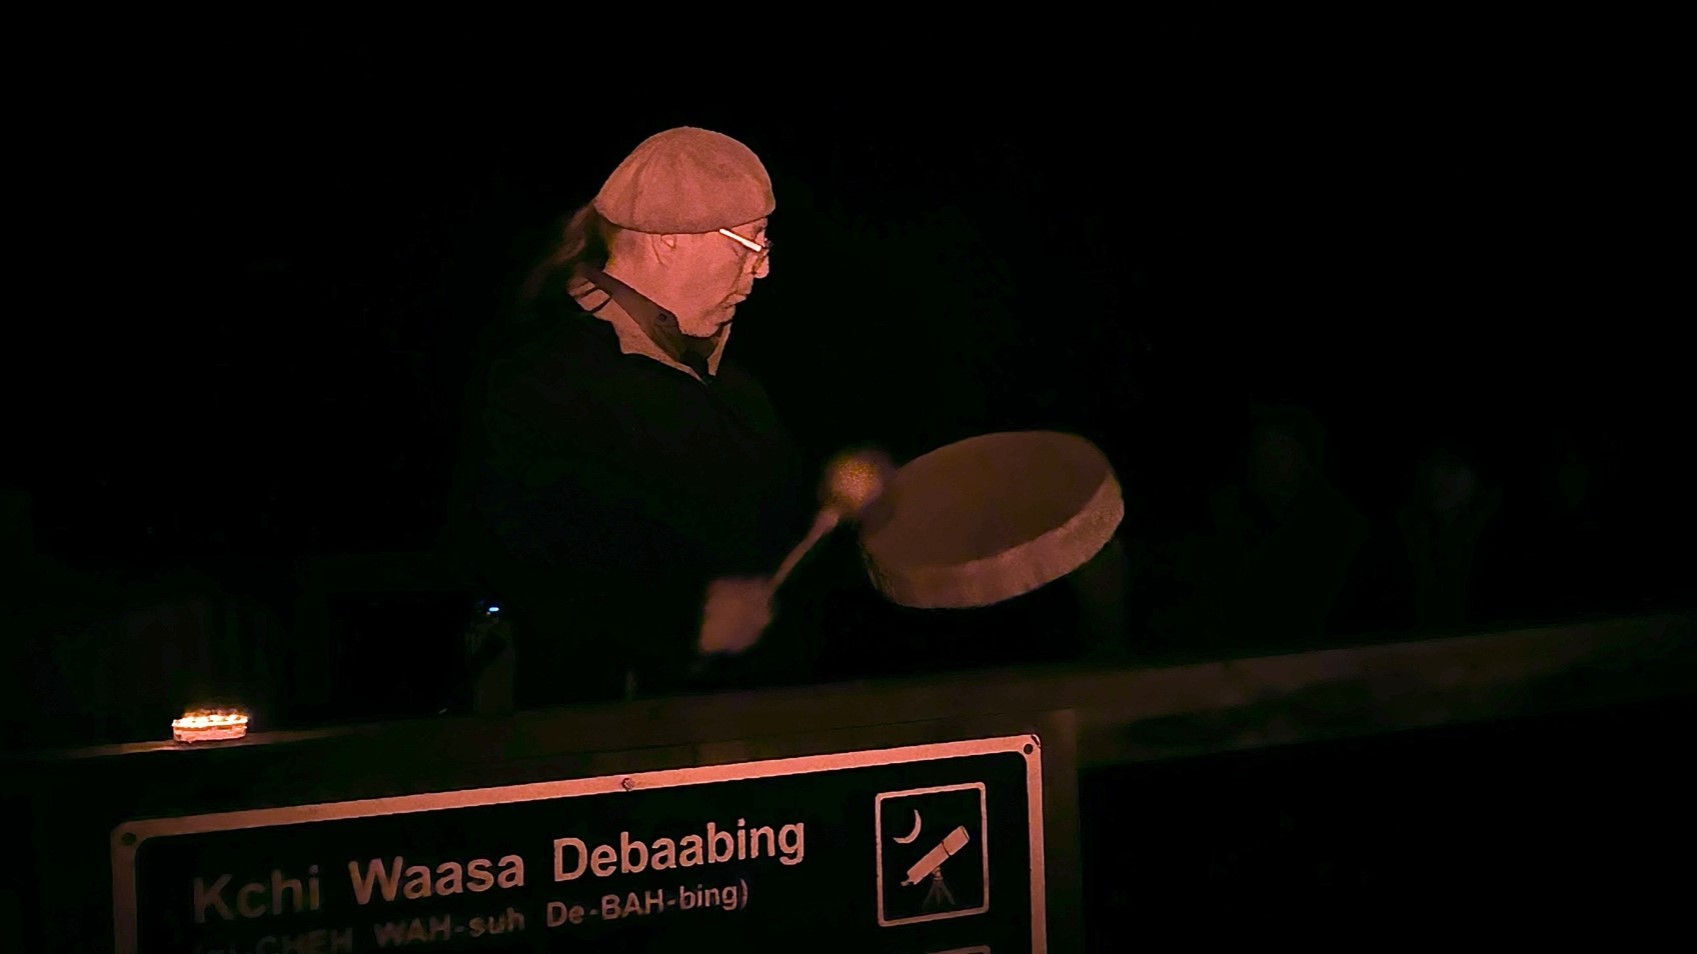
128, 837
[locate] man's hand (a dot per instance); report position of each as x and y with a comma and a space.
738, 610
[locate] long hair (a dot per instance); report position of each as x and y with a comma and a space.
584, 239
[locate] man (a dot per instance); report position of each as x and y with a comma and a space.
631, 488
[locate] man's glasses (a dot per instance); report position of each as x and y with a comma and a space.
760, 251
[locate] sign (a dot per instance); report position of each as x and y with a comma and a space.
916, 850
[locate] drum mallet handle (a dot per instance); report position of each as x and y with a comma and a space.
823, 524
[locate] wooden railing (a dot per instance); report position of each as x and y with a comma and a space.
1128, 713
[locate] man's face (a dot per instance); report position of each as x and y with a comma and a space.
716, 273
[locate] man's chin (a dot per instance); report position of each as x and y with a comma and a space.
711, 324
722, 316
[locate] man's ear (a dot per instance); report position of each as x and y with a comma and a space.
663, 248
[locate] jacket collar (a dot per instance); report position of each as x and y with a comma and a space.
643, 326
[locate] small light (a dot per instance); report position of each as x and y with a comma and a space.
493, 610
209, 725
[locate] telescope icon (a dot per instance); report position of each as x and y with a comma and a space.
950, 846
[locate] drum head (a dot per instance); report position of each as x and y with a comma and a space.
990, 518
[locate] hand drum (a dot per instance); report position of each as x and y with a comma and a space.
990, 518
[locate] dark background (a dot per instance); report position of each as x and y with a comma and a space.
256, 268
1545, 830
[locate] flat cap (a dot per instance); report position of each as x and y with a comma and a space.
686, 180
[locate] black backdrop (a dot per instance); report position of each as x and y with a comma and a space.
257, 267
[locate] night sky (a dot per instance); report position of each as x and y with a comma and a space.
261, 266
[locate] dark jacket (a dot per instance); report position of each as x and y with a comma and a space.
606, 491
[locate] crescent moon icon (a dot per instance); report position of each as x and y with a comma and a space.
912, 834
